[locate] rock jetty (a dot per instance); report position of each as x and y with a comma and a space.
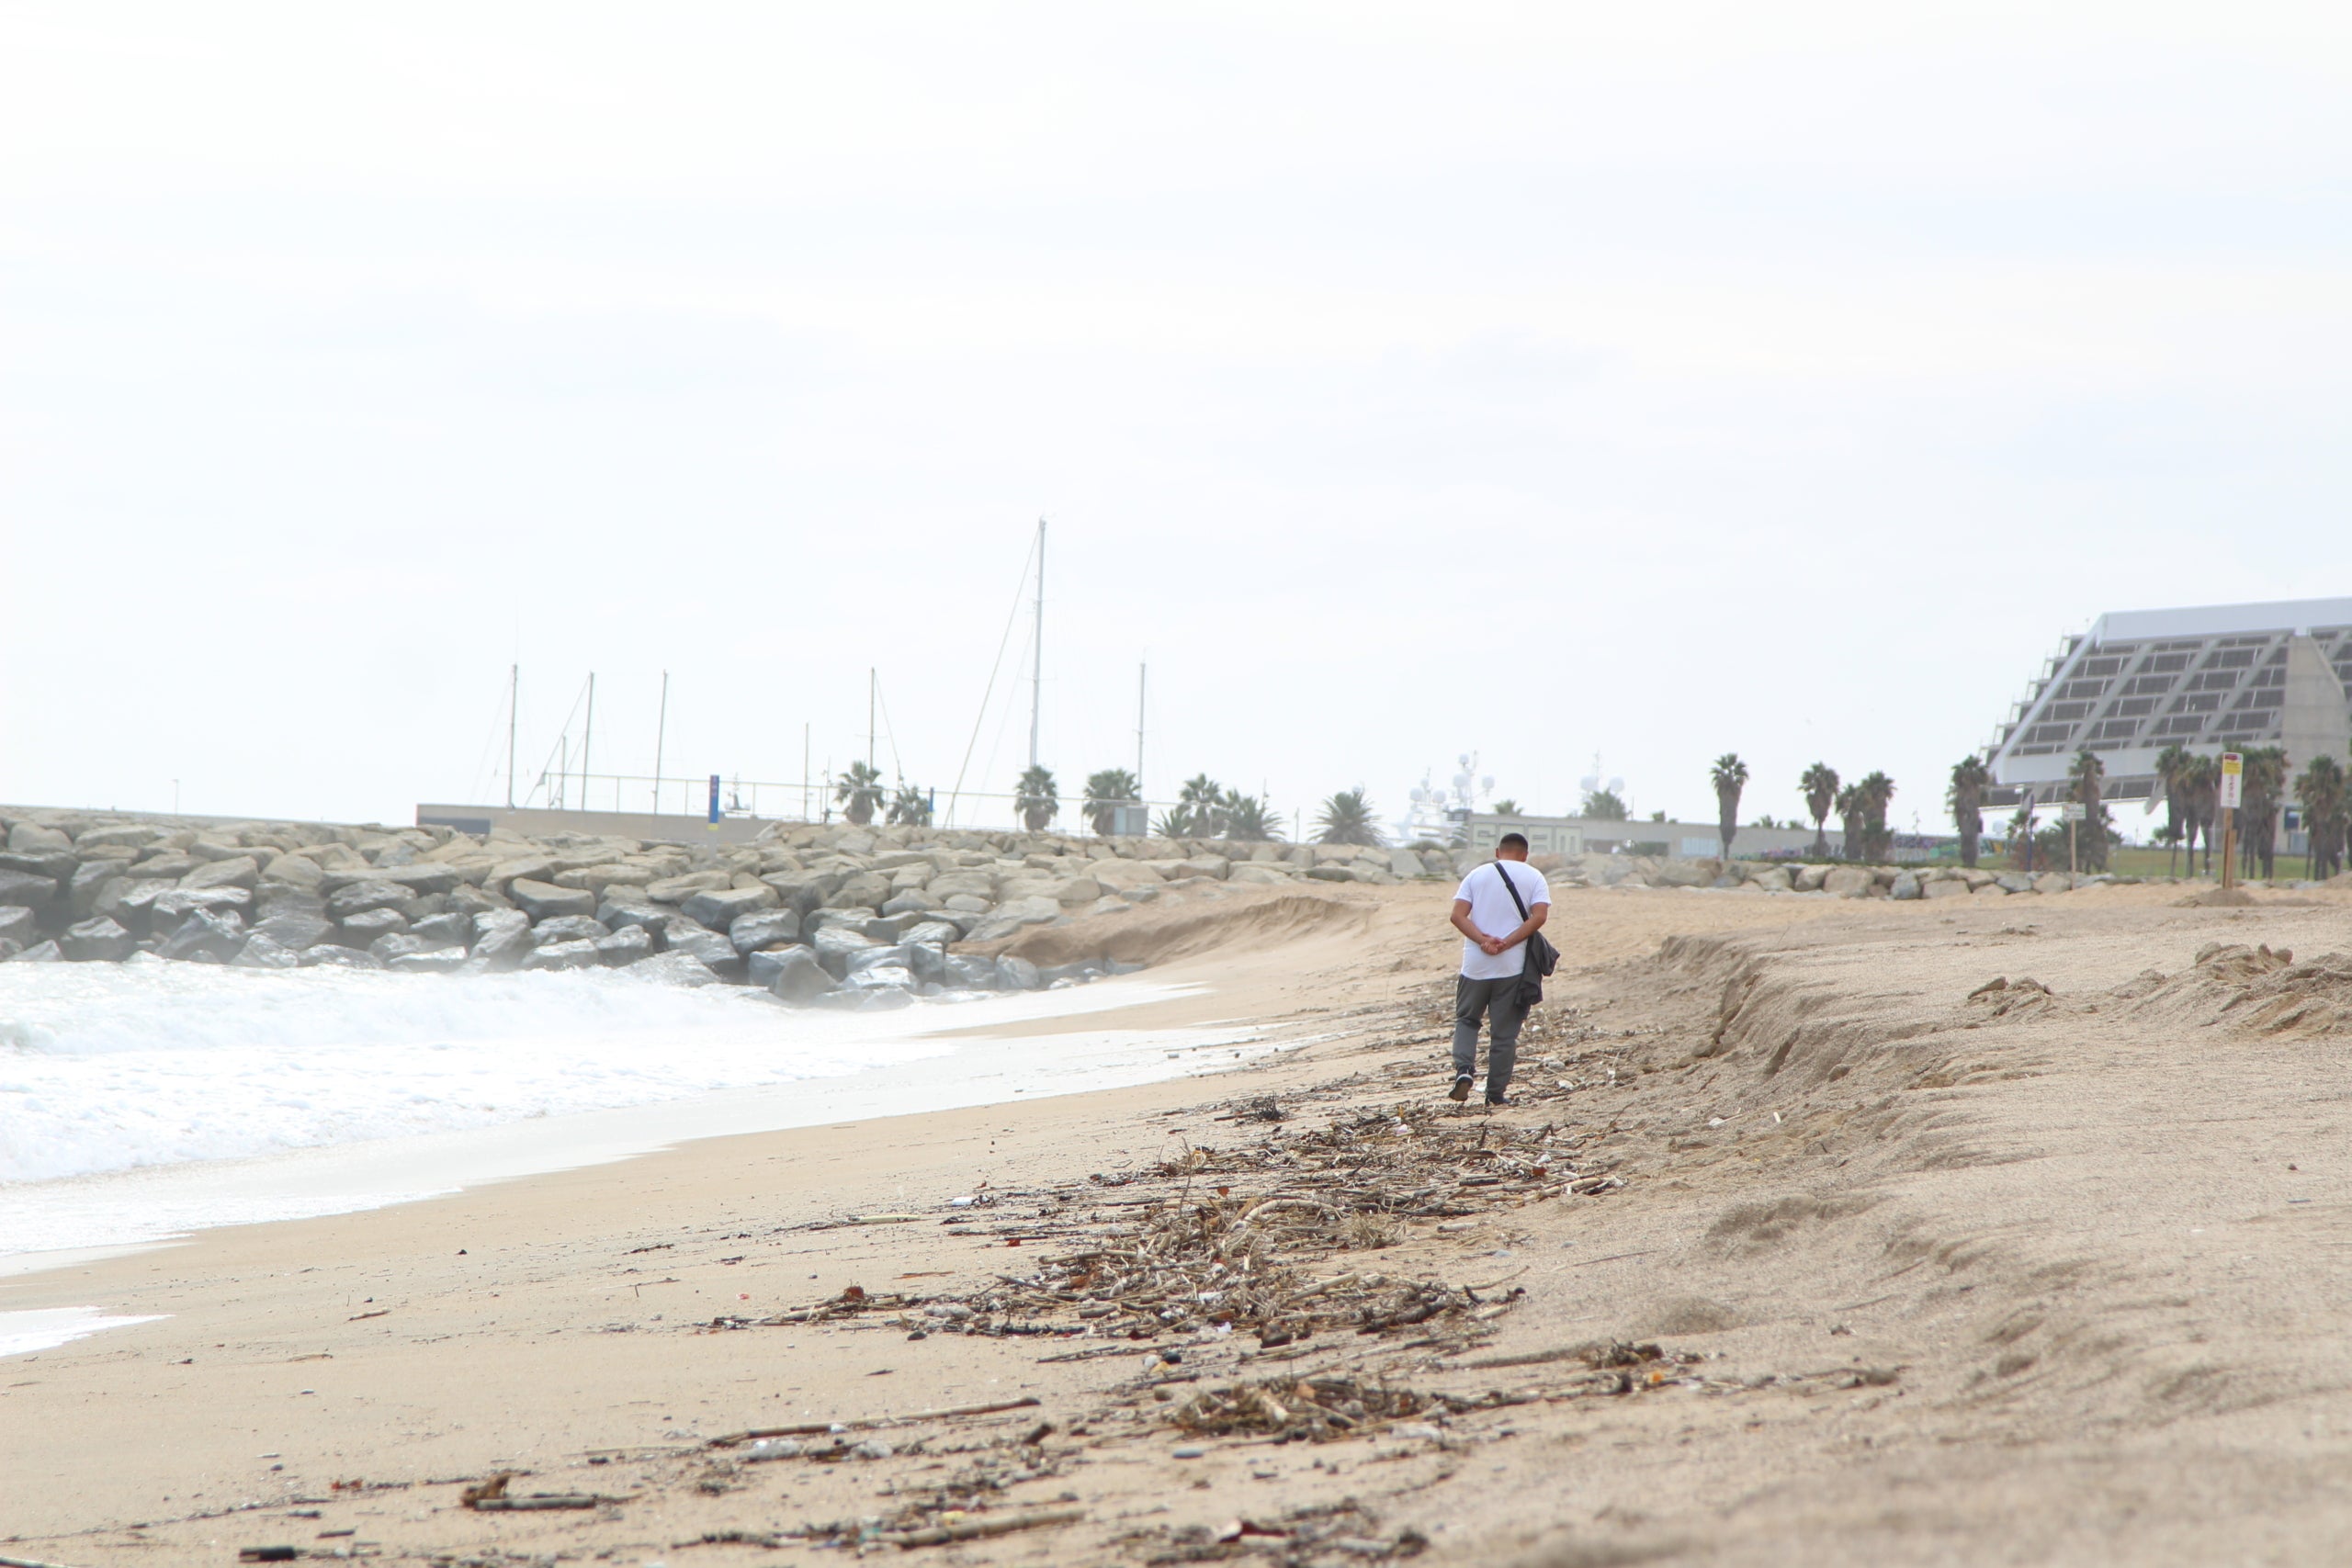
832, 916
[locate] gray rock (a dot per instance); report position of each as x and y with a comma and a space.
58, 865
797, 976
28, 835
856, 963
363, 929
964, 904
98, 940
40, 952
913, 903
569, 928
294, 870
370, 893
682, 935
969, 974
1017, 973
764, 928
673, 969
173, 905
327, 955
502, 937
128, 835
1848, 881
2052, 882
87, 883
678, 889
854, 917
626, 946
761, 966
263, 950
2013, 882
934, 933
218, 849
882, 977
1907, 886
560, 955
427, 961
833, 946
168, 865
803, 891
869, 888
422, 879
408, 944
468, 900
25, 891
243, 872
926, 962
452, 928
17, 924
891, 928
218, 936
614, 913
546, 901
719, 909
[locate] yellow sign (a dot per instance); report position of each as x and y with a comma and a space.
2233, 780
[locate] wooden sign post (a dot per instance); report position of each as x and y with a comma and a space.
2232, 791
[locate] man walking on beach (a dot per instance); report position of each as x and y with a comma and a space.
1510, 898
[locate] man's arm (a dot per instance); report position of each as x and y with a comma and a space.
1487, 944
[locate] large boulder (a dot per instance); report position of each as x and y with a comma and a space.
1945, 887
28, 835
95, 940
128, 835
25, 891
832, 946
937, 933
408, 944
1017, 974
616, 912
678, 889
173, 905
1261, 874
968, 973
87, 882
763, 928
720, 908
870, 888
1684, 874
369, 892
1848, 881
1907, 886
597, 878
910, 903
626, 946
1404, 863
2053, 882
241, 872
1774, 879
718, 953
422, 879
295, 871
804, 891
569, 928
761, 967
2013, 882
447, 927
797, 975
502, 937
40, 952
545, 900
328, 956
1120, 875
673, 969
364, 929
428, 961
16, 925
204, 934
563, 955
980, 883
263, 950
58, 865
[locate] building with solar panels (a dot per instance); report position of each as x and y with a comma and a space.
2219, 678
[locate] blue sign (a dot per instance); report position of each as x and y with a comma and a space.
714, 800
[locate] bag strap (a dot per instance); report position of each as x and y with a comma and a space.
1512, 887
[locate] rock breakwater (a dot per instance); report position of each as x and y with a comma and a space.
831, 916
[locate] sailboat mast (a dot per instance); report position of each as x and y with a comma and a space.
1038, 667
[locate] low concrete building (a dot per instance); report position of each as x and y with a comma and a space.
1601, 835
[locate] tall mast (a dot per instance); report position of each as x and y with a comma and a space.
869, 718
587, 736
513, 695
1141, 669
661, 733
1037, 669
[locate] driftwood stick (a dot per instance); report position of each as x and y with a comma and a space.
818, 1429
519, 1504
28, 1562
978, 1529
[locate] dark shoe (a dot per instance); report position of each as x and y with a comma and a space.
1496, 1100
1461, 1089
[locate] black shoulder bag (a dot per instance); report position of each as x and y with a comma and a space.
1538, 958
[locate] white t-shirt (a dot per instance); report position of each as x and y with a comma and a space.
1492, 912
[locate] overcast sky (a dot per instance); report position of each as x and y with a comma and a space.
1653, 382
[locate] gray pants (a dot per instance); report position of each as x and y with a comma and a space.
1498, 1002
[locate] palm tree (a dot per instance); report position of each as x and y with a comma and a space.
1730, 776
860, 793
1247, 818
2322, 791
1203, 801
2172, 764
1970, 779
1346, 819
1603, 805
1106, 789
2264, 789
1851, 811
1176, 822
1035, 797
2201, 790
1820, 786
1877, 790
1506, 807
910, 808
2087, 772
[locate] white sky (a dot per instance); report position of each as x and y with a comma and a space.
1654, 381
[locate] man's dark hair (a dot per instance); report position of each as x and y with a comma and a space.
1512, 841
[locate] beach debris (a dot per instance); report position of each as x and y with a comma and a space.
488, 1495
1316, 1409
1303, 1536
28, 1562
268, 1554
824, 1428
979, 1527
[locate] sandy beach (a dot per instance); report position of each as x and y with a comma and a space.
1802, 1238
